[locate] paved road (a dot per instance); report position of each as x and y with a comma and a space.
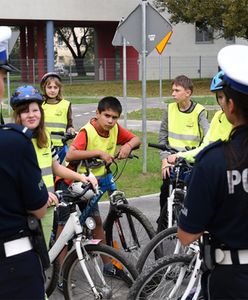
149, 205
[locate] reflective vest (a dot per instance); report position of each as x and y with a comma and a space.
44, 157
56, 119
183, 128
105, 144
220, 128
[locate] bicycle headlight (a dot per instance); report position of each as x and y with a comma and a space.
90, 223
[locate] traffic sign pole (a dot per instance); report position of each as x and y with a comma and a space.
144, 102
125, 80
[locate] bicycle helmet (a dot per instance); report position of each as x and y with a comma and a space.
216, 82
26, 93
77, 188
47, 75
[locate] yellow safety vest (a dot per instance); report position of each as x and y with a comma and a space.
105, 144
183, 128
44, 157
220, 128
56, 119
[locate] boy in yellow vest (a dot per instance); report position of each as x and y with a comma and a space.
184, 124
99, 138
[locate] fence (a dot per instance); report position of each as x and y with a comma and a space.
111, 69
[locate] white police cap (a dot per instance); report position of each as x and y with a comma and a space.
5, 35
233, 60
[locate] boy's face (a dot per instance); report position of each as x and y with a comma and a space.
180, 94
107, 119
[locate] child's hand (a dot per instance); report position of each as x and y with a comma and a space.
107, 158
52, 199
124, 151
89, 179
165, 168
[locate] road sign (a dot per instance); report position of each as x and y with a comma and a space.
157, 27
160, 47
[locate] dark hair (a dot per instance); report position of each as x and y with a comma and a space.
109, 103
39, 133
184, 81
241, 105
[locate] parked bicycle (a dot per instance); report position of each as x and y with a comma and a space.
171, 277
179, 176
83, 271
126, 227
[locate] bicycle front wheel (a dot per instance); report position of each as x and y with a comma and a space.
168, 278
76, 285
129, 230
165, 243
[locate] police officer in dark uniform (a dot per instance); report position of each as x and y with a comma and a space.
217, 197
22, 192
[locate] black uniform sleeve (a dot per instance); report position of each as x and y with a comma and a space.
199, 205
32, 187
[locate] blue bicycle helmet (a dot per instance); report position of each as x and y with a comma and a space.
216, 82
26, 93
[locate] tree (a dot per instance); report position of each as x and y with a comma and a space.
228, 18
79, 41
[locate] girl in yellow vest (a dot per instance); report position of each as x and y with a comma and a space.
184, 124
27, 105
58, 113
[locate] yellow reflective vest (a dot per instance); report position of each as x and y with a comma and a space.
183, 128
95, 141
220, 128
44, 157
56, 119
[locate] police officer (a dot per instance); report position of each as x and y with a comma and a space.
217, 198
22, 192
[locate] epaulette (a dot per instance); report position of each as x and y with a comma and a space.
19, 128
207, 148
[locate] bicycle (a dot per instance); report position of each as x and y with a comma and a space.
179, 176
83, 270
132, 228
65, 137
171, 277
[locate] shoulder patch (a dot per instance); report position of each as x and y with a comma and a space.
207, 148
18, 128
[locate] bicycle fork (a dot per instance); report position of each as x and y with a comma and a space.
106, 291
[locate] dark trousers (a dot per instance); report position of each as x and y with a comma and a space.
164, 193
21, 277
228, 282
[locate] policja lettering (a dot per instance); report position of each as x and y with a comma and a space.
234, 177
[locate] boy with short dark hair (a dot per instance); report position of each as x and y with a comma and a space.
99, 138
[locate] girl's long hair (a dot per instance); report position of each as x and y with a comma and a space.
39, 132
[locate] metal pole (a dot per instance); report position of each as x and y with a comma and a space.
50, 45
144, 102
160, 77
125, 81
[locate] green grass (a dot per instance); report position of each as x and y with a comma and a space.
133, 181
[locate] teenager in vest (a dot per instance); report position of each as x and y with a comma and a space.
184, 124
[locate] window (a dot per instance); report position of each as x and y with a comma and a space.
204, 36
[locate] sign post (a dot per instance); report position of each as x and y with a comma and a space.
144, 29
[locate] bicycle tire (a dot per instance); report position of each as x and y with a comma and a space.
76, 285
143, 230
163, 244
52, 276
158, 280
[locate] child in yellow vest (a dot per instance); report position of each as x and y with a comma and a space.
58, 113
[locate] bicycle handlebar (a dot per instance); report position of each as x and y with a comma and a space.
68, 196
163, 147
66, 136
